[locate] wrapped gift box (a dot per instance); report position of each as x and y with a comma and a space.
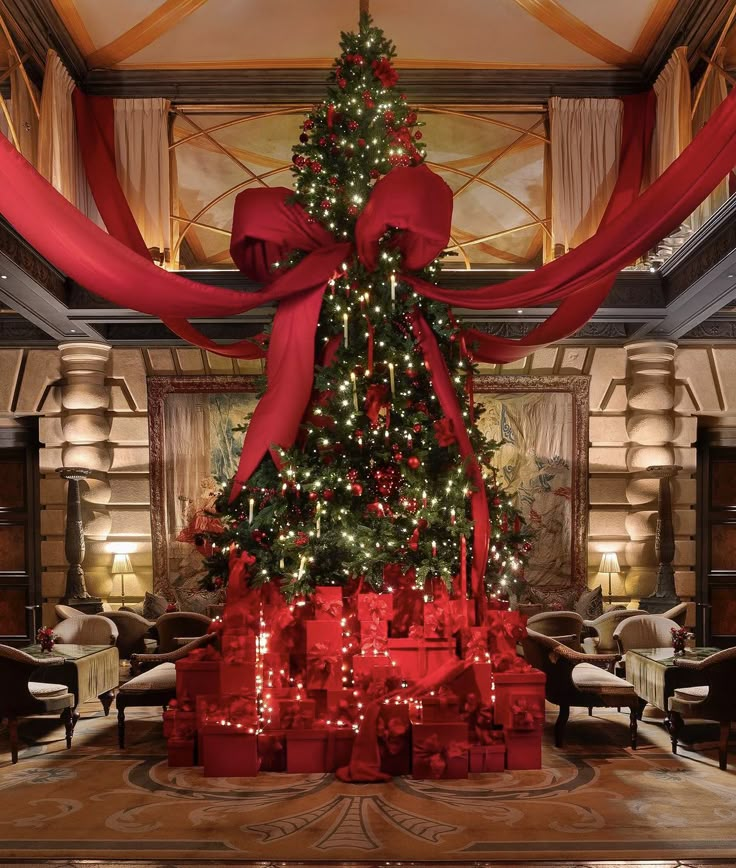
341, 707
181, 752
487, 757
328, 603
195, 677
529, 684
169, 716
238, 647
306, 751
229, 751
435, 619
293, 713
324, 655
375, 607
394, 733
523, 749
237, 677
272, 750
276, 669
442, 705
475, 644
439, 750
526, 711
415, 656
377, 666
373, 637
340, 740
475, 681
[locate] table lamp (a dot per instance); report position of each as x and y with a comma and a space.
121, 565
609, 564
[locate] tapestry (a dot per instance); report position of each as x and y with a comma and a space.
535, 465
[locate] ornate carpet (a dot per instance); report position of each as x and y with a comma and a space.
596, 799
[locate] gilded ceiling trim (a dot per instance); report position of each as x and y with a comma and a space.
654, 25
577, 32
148, 30
69, 14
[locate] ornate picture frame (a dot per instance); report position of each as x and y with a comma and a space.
569, 395
161, 389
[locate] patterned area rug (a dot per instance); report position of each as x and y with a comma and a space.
596, 799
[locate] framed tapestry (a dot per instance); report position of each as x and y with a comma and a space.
542, 424
194, 449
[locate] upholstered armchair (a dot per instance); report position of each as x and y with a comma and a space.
578, 680
601, 640
154, 681
134, 633
565, 626
86, 630
715, 700
646, 631
21, 697
677, 613
64, 612
173, 625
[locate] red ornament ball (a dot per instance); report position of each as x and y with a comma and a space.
328, 494
352, 474
313, 495
413, 462
418, 135
417, 428
357, 489
304, 138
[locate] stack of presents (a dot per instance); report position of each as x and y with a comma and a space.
289, 687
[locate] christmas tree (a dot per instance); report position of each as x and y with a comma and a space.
376, 479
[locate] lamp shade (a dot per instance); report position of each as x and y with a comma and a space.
609, 563
121, 563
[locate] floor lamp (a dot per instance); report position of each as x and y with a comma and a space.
609, 564
121, 566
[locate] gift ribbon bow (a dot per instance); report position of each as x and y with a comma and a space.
378, 607
321, 661
329, 606
436, 754
373, 638
526, 714
477, 647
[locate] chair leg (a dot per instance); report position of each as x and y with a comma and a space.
562, 719
723, 744
633, 727
590, 711
121, 726
642, 704
68, 719
106, 700
674, 723
13, 733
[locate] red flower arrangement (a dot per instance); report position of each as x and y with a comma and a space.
46, 638
384, 72
679, 637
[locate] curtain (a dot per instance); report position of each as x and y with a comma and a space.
673, 125
188, 461
585, 141
714, 92
142, 166
22, 112
59, 159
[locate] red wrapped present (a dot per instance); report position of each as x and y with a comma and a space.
487, 757
475, 644
294, 713
373, 637
526, 711
393, 730
306, 751
185, 724
197, 676
415, 655
275, 669
508, 685
340, 740
523, 749
505, 630
272, 750
375, 607
238, 647
328, 603
324, 655
229, 751
440, 705
474, 681
169, 716
342, 707
181, 752
439, 750
237, 677
370, 666
435, 619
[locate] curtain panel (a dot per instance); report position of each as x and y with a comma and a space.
585, 144
142, 167
673, 125
22, 113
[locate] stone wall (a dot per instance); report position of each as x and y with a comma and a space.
645, 404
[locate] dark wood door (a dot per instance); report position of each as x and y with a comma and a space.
19, 536
717, 545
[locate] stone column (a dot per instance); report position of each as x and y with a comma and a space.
85, 426
650, 425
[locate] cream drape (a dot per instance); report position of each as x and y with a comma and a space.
142, 164
585, 142
673, 125
59, 158
22, 112
714, 92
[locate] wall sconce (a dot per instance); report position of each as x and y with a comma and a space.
122, 568
609, 564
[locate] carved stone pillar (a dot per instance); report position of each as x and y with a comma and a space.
650, 424
664, 596
76, 590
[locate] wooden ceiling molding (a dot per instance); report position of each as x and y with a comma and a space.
69, 14
577, 32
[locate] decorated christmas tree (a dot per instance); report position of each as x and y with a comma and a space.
377, 481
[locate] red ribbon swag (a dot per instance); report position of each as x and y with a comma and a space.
267, 227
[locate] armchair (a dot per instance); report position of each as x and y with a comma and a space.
677, 613
134, 633
577, 680
174, 624
21, 697
601, 641
87, 630
63, 612
715, 700
559, 625
646, 631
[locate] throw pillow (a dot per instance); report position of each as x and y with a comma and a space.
136, 608
590, 604
198, 601
154, 606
